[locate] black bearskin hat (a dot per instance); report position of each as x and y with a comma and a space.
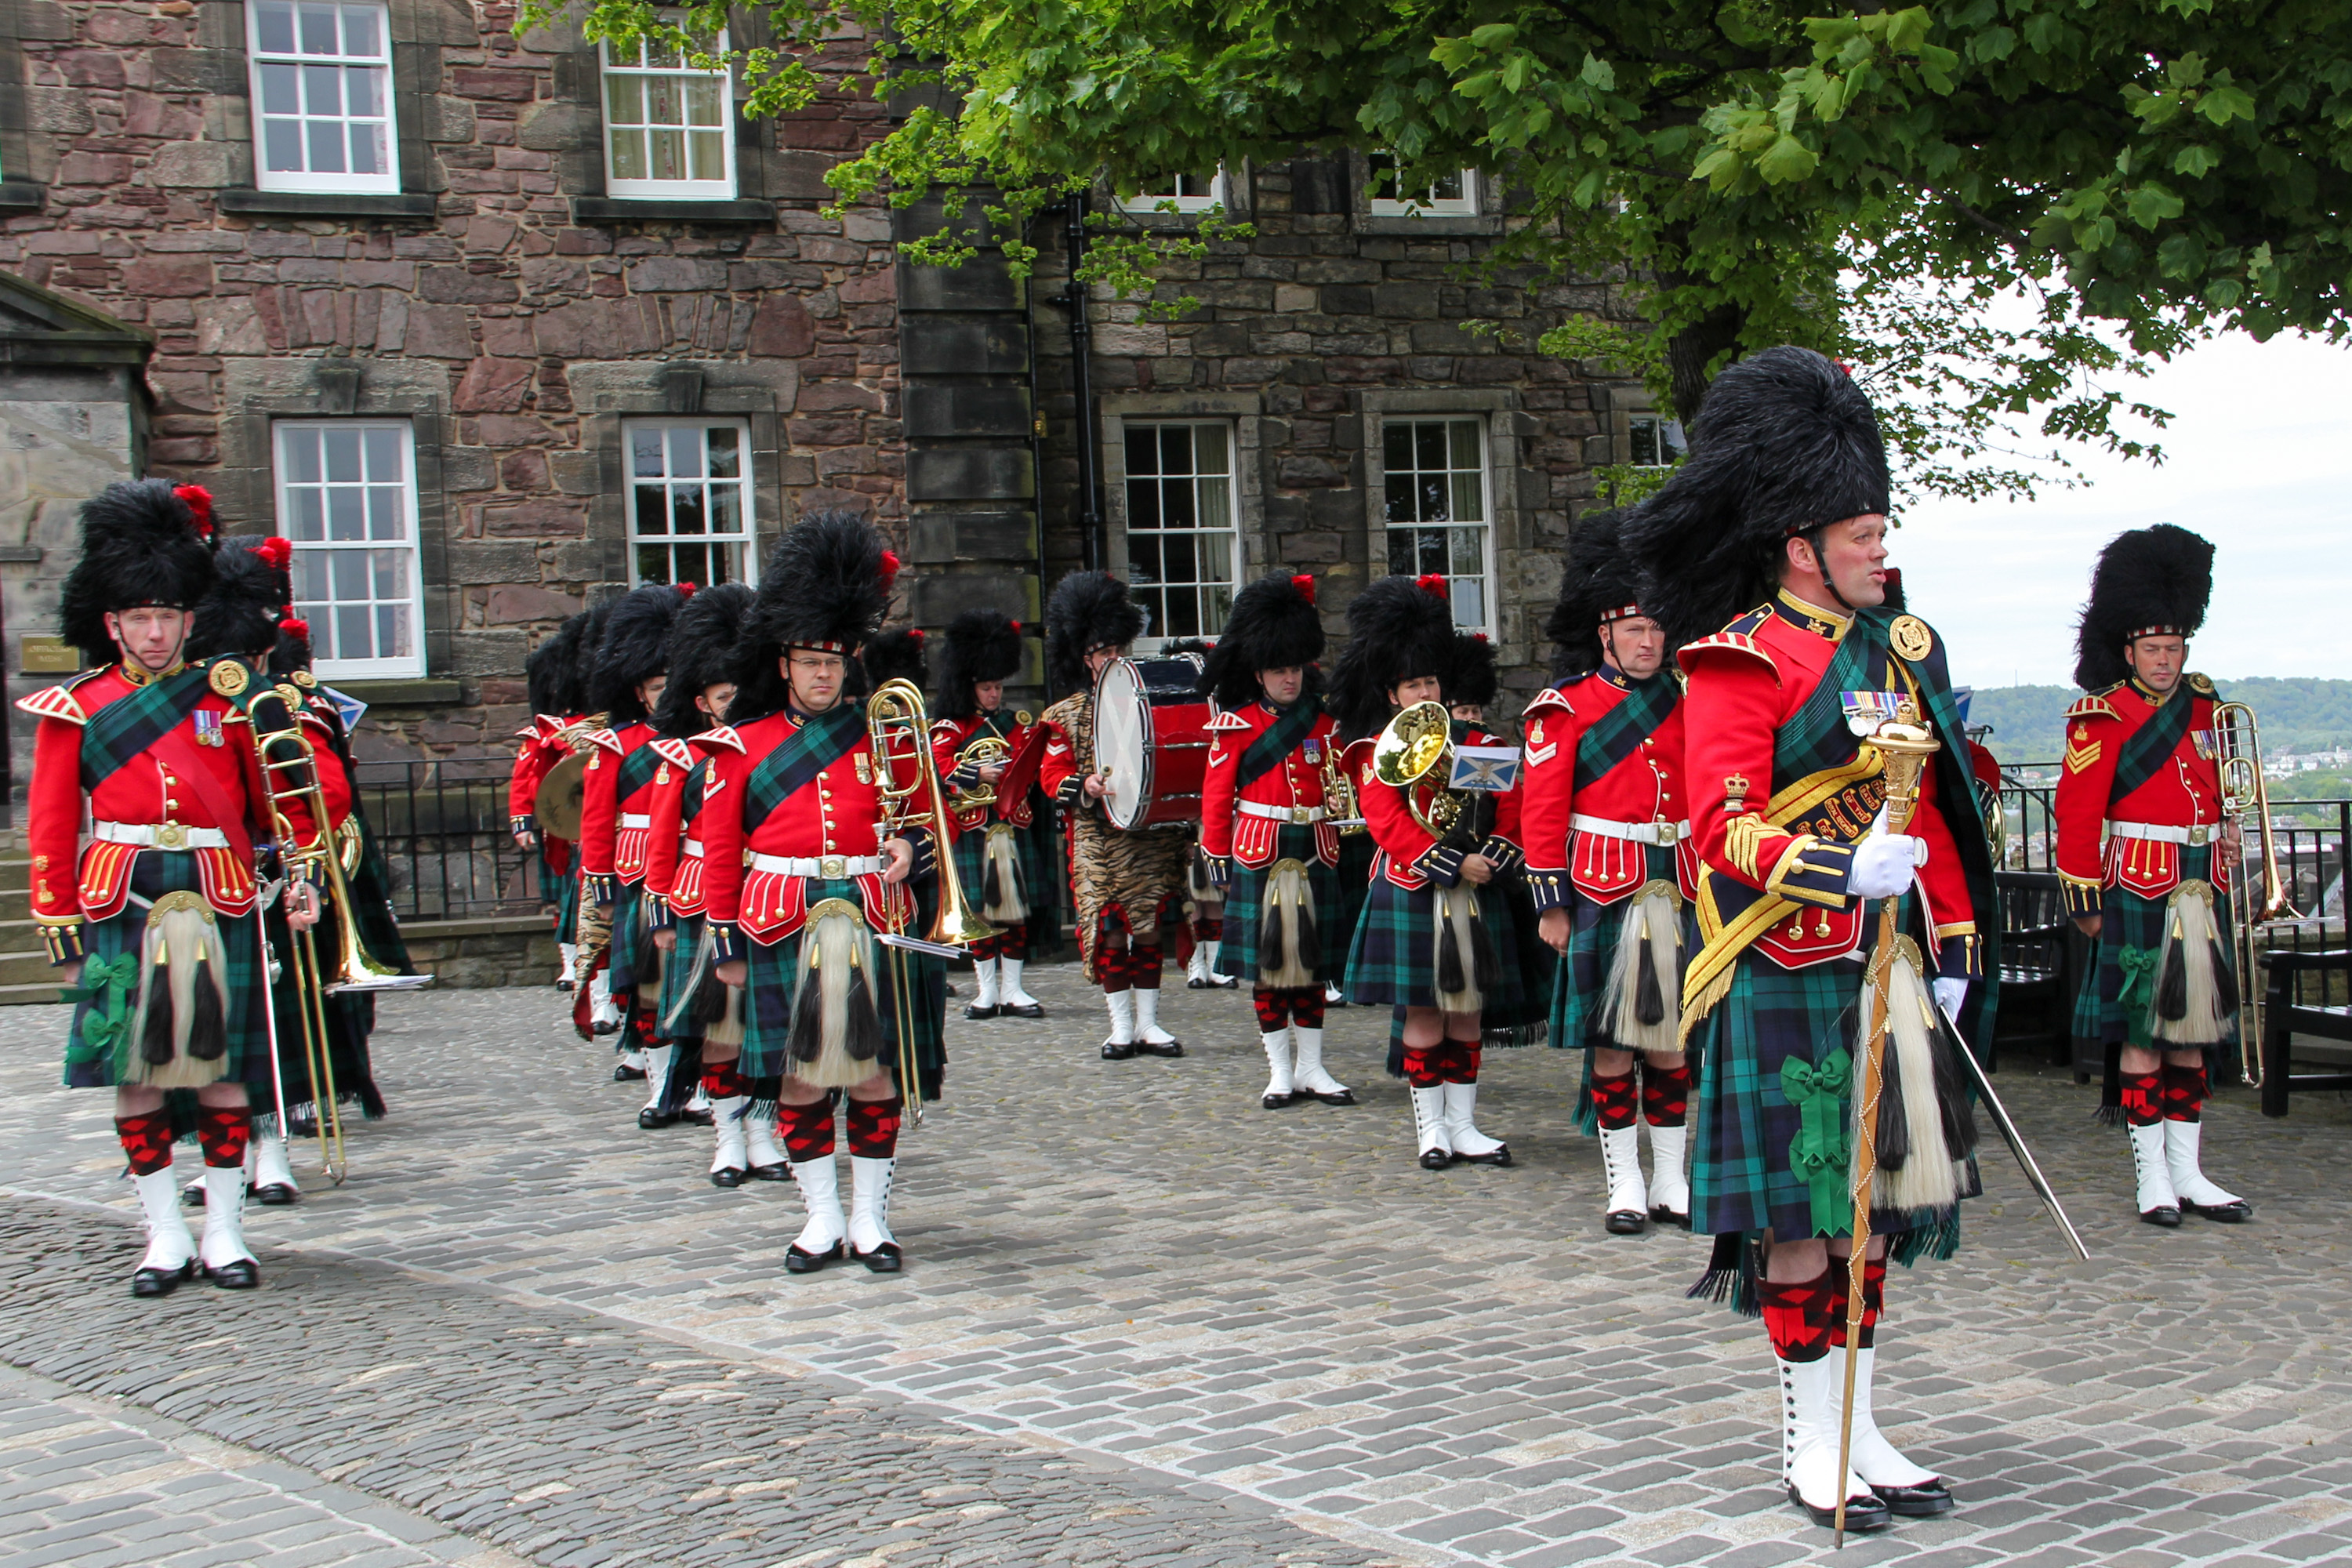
895, 655
1273, 625
635, 650
981, 645
2150, 582
704, 645
552, 673
142, 543
1089, 609
1598, 585
591, 638
825, 587
251, 590
292, 650
1398, 628
1470, 674
1785, 443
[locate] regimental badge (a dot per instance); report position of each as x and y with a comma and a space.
230, 678
661, 774
1910, 639
1022, 717
209, 727
1735, 793
2200, 684
1313, 753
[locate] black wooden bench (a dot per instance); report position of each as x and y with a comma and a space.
2037, 960
2285, 1015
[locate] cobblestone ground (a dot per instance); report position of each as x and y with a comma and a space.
1144, 1320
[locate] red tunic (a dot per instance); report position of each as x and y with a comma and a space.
1409, 855
1295, 786
950, 737
1645, 789
612, 830
538, 747
667, 832
2182, 797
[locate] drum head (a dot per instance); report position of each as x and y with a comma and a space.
1123, 742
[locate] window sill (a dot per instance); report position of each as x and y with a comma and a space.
327, 203
664, 209
1432, 224
417, 691
21, 196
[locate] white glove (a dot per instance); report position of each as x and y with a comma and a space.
1882, 866
1949, 995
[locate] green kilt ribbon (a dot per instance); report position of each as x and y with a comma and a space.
99, 1045
2116, 1003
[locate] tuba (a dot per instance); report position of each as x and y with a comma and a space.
2237, 741
1415, 753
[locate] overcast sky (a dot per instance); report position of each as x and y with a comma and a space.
2259, 461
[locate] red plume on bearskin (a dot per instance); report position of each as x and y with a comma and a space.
200, 508
140, 545
1305, 586
1397, 631
250, 592
1434, 582
276, 552
1273, 625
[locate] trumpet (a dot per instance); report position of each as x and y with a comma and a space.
986, 752
1415, 753
2238, 739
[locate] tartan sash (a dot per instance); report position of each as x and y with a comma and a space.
135, 721
1279, 739
637, 769
1815, 738
815, 746
2145, 749
690, 800
1619, 732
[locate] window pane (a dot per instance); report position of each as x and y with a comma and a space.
389, 571
1431, 501
281, 89
1179, 507
701, 100
1209, 448
359, 87
367, 149
346, 514
709, 154
1468, 500
1178, 558
1469, 550
652, 508
1142, 504
326, 145
623, 100
1429, 446
384, 513
1469, 602
281, 143
322, 89
359, 31
276, 29
726, 508
307, 518
343, 450
663, 105
1396, 446
629, 155
686, 510
1216, 509
723, 452
726, 563
1143, 449
666, 154
382, 449
653, 563
318, 30
348, 570
646, 453
692, 563
351, 633
392, 631
686, 453
1175, 449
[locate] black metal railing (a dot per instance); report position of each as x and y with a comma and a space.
443, 826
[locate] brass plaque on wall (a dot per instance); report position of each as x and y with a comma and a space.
48, 656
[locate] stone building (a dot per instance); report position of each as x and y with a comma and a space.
486, 324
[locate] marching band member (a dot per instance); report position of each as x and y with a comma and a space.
150, 918
1610, 868
694, 1006
550, 678
2139, 814
1435, 926
804, 866
1262, 829
995, 853
1763, 558
899, 653
1118, 881
1196, 911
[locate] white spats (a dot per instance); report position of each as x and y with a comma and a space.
1279, 1086
1009, 984
1196, 968
603, 1017
1669, 1185
1122, 1017
869, 1203
760, 1150
169, 1242
1812, 1412
820, 1183
732, 1155
267, 1155
1207, 952
1429, 1126
2181, 1146
984, 973
657, 1060
1875, 1459
1310, 1073
224, 1242
1621, 1162
571, 952
1462, 1134
2153, 1172
1146, 1019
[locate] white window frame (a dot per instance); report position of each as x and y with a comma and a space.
1434, 206
1155, 593
1485, 523
690, 190
1670, 439
1220, 195
258, 59
409, 666
746, 540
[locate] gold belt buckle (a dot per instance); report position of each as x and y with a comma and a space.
171, 835
2198, 835
833, 867
1302, 815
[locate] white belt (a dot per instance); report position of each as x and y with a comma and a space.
159, 834
1639, 832
2204, 833
636, 819
1300, 815
693, 848
833, 866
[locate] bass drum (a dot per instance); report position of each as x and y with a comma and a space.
1152, 741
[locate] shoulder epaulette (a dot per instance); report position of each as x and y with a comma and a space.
673, 750
722, 739
2093, 705
943, 729
1728, 640
1230, 721
2201, 684
55, 702
604, 738
1550, 698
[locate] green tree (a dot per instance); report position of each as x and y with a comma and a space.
2136, 172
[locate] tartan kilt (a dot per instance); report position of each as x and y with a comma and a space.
1743, 1179
99, 1042
2132, 921
1245, 903
677, 970
1394, 955
970, 853
1582, 976
632, 946
567, 896
1355, 874
768, 1001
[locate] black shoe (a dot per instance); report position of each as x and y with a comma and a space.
242, 1275
1114, 1051
193, 1197
704, 1118
276, 1195
301, 1124
604, 1028
799, 1262
626, 1074
1914, 1502
2163, 1215
1500, 1159
1661, 1214
770, 1174
651, 1119
951, 990
1281, 1102
727, 1176
883, 1260
1437, 1160
161, 1281
1863, 1514
979, 1013
1023, 1010
564, 984
1161, 1049
1624, 1222
1345, 1096
1224, 982
2230, 1213
1198, 982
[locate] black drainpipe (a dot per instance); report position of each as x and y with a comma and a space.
1090, 515
1037, 434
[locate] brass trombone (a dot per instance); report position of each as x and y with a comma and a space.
2238, 741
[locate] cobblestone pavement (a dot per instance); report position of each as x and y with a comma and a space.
1129, 1264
